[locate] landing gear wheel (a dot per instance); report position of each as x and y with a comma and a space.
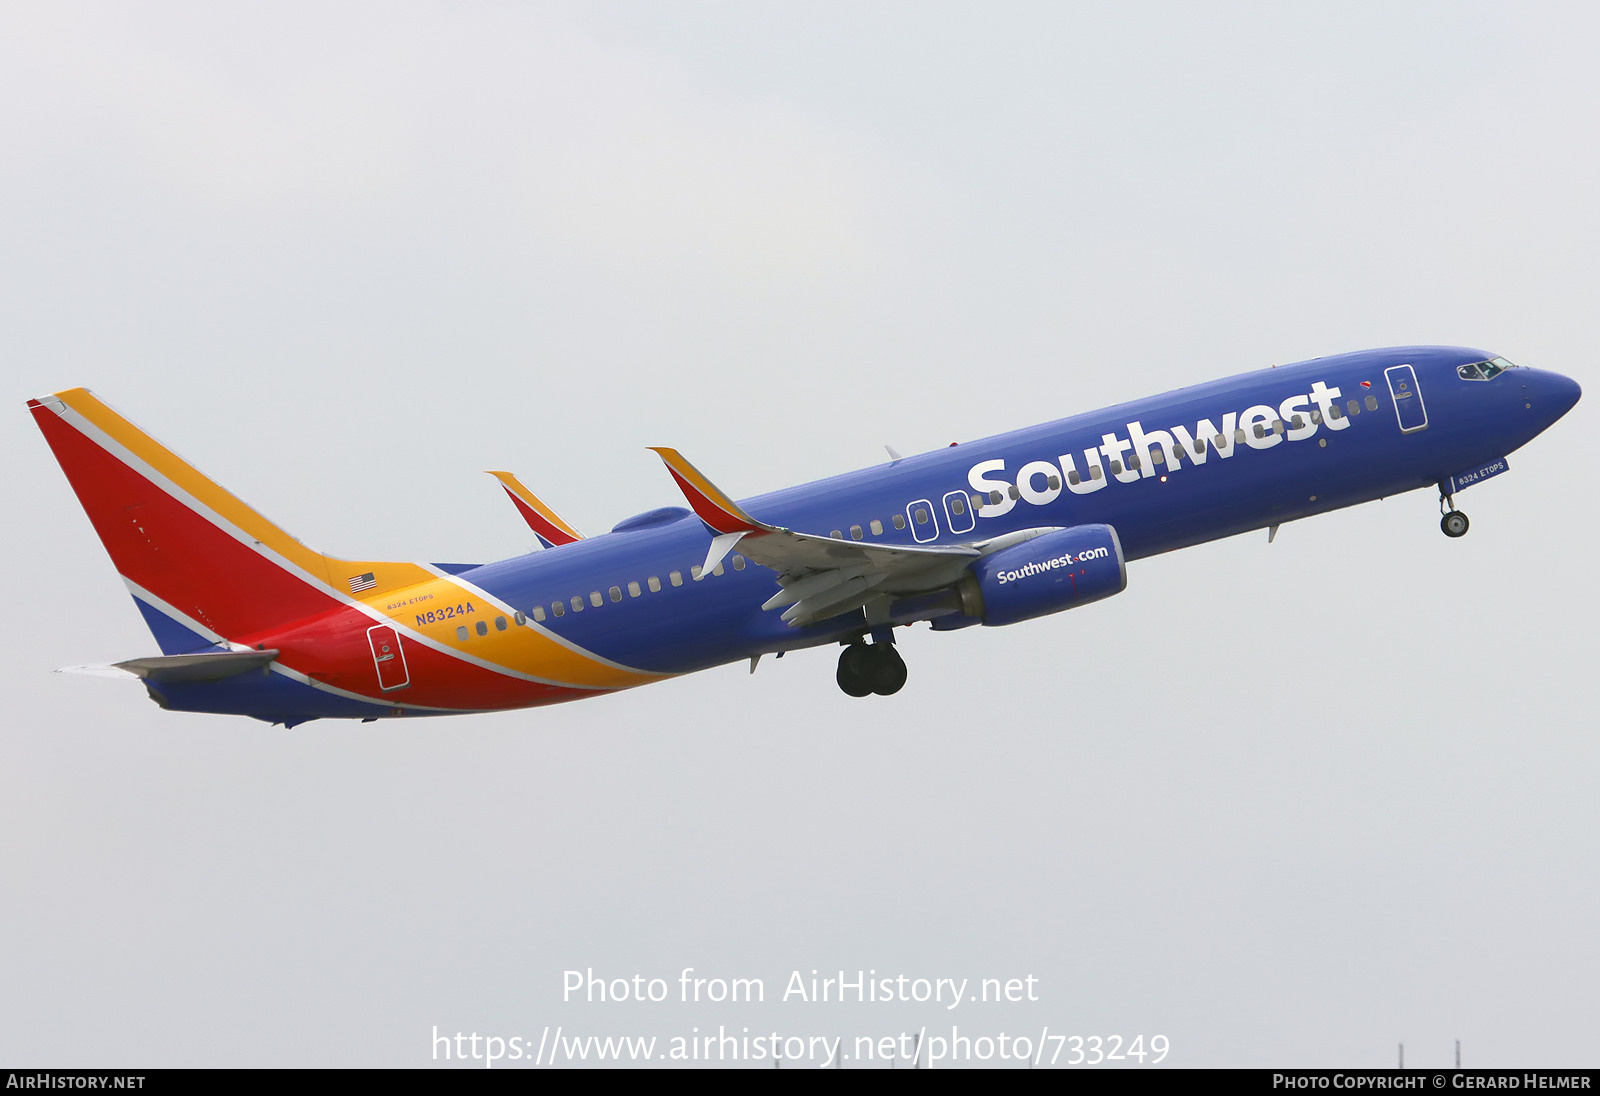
875, 669
888, 671
855, 670
1454, 523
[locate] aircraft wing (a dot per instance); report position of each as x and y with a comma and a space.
545, 522
820, 577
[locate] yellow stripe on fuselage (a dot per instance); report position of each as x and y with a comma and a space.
526, 649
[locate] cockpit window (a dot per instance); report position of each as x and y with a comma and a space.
1483, 371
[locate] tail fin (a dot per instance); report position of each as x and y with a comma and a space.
204, 568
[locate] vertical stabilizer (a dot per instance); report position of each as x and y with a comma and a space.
205, 568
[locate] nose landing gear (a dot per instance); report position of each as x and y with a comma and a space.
1453, 522
865, 669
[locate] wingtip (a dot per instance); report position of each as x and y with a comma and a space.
546, 524
720, 513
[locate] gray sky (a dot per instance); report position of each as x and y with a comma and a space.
1285, 806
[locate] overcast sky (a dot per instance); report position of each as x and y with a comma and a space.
1285, 805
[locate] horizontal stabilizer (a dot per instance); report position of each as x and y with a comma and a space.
209, 666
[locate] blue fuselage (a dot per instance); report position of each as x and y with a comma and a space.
1189, 466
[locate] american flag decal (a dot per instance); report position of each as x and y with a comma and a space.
363, 582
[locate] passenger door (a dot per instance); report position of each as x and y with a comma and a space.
1407, 398
389, 657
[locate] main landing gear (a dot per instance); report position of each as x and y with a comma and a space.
1453, 522
876, 668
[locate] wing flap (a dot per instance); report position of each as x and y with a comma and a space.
850, 594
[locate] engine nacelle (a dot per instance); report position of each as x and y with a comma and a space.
1051, 572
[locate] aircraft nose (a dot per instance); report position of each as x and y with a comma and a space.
1552, 395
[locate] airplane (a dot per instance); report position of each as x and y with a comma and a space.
989, 532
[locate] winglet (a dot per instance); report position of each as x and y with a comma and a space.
545, 522
717, 510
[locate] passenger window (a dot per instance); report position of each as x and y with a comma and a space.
633, 589
676, 578
1073, 477
538, 614
577, 603
738, 561
921, 515
836, 535
958, 506
1014, 492
1277, 426
696, 571
1157, 456
616, 593
654, 584
1220, 442
1299, 422
1116, 467
977, 501
1095, 473
1334, 414
995, 497
876, 527
461, 633
1372, 403
717, 570
855, 531
1133, 462
1259, 431
1353, 408
899, 522
1316, 416
483, 627
1055, 483
557, 608
1238, 436
499, 624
